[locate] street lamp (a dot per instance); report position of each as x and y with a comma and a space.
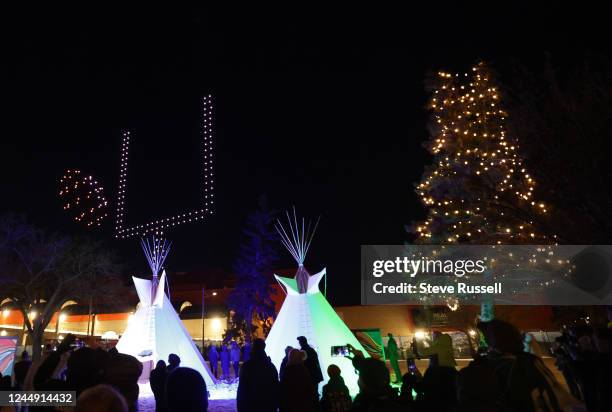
204, 312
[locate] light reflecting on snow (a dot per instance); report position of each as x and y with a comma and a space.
222, 397
224, 391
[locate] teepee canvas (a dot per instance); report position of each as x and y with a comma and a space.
155, 330
306, 312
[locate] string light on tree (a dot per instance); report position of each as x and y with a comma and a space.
83, 198
122, 230
478, 189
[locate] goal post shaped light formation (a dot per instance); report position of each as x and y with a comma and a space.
158, 226
306, 312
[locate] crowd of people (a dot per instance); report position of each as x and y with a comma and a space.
583, 354
294, 388
106, 381
506, 374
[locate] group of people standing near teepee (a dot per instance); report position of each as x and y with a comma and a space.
293, 387
229, 358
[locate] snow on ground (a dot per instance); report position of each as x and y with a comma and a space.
222, 398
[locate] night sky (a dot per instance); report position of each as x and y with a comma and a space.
324, 113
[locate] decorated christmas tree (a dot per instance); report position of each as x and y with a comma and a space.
478, 189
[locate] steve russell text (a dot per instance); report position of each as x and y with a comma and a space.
424, 287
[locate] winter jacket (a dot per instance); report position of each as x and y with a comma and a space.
258, 388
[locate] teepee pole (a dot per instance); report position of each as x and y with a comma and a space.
156, 250
298, 237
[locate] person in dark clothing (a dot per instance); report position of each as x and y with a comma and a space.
213, 358
375, 393
565, 364
21, 369
75, 371
602, 339
173, 362
336, 396
225, 363
393, 356
258, 389
311, 362
439, 384
235, 357
122, 372
50, 363
83, 369
5, 383
246, 352
411, 391
157, 380
509, 378
476, 391
186, 391
298, 393
283, 364
101, 398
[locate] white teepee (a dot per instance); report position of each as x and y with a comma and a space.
306, 312
155, 330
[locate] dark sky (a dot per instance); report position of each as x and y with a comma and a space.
324, 113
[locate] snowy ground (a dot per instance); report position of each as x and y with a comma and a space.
222, 398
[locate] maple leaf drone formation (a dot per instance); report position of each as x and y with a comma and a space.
83, 198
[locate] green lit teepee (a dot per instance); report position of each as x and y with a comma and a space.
306, 312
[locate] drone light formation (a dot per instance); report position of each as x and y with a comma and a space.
83, 198
158, 226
